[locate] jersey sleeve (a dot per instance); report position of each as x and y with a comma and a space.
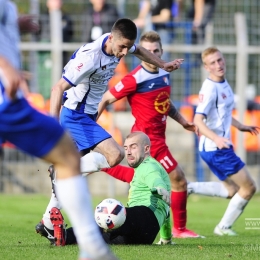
132, 49
77, 69
207, 99
124, 88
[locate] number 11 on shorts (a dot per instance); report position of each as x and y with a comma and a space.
166, 162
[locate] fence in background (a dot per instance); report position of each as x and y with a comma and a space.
236, 35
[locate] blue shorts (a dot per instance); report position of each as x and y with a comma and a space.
28, 129
83, 128
222, 162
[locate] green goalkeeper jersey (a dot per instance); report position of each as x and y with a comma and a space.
148, 175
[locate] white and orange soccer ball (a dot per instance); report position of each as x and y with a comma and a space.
110, 214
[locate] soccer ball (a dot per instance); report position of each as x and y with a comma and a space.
110, 214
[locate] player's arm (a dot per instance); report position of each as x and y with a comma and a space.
220, 141
122, 89
108, 98
56, 97
11, 78
149, 57
254, 130
175, 115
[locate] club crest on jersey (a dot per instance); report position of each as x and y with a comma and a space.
119, 86
223, 95
162, 102
78, 68
201, 96
165, 79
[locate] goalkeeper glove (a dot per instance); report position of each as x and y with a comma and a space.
165, 195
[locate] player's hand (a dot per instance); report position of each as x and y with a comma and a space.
172, 65
191, 127
222, 142
253, 130
165, 195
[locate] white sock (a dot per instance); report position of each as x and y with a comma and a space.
46, 216
233, 211
214, 189
93, 162
75, 200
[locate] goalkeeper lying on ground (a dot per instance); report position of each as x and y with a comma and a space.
148, 204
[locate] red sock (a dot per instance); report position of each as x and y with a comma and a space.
120, 172
178, 206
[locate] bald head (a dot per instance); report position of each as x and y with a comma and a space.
137, 148
141, 137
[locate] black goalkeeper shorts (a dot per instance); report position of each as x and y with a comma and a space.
140, 227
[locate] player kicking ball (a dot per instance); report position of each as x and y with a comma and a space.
148, 91
214, 119
75, 98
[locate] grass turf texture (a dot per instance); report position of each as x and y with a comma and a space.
20, 213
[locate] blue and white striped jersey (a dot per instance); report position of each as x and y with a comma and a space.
88, 71
216, 102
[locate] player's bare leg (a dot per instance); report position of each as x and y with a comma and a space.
178, 204
77, 203
105, 155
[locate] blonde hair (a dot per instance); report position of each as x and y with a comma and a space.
208, 51
151, 36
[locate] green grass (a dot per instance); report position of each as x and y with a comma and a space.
20, 213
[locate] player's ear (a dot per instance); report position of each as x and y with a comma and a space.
147, 149
206, 67
110, 37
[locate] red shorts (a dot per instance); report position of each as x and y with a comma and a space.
160, 151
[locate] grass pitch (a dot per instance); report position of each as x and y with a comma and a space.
20, 213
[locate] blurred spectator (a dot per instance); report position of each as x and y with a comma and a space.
201, 13
153, 15
98, 19
67, 35
12, 25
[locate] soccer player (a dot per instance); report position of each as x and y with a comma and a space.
214, 119
20, 124
148, 200
148, 91
81, 88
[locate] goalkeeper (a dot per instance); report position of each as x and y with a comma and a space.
149, 198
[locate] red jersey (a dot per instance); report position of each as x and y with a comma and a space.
149, 97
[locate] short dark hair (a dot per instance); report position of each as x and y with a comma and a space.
151, 36
125, 28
